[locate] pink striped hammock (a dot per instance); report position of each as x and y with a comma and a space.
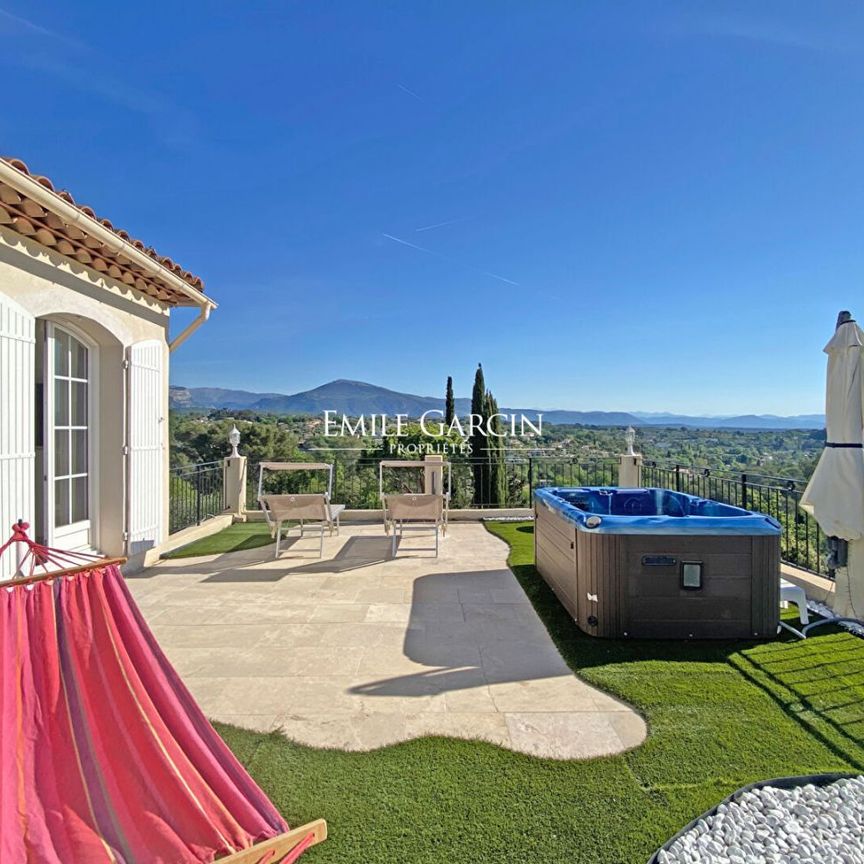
104, 754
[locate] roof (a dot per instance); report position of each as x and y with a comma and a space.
48, 220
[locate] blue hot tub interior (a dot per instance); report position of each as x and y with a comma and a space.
652, 511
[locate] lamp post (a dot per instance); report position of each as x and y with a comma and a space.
235, 477
630, 463
630, 439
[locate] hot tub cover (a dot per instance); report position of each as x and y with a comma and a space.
651, 511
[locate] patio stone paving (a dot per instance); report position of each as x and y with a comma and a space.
358, 651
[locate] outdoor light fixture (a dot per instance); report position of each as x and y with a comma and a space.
630, 438
838, 553
234, 440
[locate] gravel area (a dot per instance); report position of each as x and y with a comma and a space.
805, 825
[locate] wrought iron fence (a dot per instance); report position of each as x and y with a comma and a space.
479, 483
802, 542
197, 490
195, 493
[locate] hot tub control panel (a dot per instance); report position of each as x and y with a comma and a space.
659, 561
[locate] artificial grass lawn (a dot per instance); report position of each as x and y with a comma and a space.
234, 538
720, 715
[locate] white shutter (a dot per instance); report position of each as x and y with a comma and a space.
146, 445
17, 438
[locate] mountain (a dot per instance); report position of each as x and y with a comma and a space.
354, 397
743, 421
343, 396
213, 397
584, 418
358, 397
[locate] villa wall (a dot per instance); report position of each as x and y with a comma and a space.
110, 314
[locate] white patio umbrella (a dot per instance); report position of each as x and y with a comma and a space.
835, 493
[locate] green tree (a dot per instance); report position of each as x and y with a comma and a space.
449, 403
497, 468
477, 439
204, 439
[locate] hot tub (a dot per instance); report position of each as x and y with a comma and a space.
651, 563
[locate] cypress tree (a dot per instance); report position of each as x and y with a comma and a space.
495, 450
478, 439
449, 403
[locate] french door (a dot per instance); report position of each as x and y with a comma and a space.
68, 445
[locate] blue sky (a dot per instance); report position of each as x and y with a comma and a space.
643, 206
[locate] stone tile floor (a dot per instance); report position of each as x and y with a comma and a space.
358, 651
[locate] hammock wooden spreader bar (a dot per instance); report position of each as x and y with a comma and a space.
113, 759
274, 851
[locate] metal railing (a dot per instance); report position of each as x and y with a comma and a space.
196, 492
476, 482
802, 542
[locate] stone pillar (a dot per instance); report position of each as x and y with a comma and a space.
630, 471
235, 486
433, 474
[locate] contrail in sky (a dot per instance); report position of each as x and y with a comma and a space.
412, 245
448, 259
438, 225
499, 278
404, 89
27, 24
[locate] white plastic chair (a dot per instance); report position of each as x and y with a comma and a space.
794, 594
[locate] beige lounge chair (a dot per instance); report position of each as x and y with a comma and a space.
415, 511
312, 507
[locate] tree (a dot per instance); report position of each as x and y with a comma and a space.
205, 439
495, 452
449, 403
477, 438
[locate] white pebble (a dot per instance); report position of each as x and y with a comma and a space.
804, 825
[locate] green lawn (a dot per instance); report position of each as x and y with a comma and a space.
241, 535
720, 715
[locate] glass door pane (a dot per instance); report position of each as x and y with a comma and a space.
71, 439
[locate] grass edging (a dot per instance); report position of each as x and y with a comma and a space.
234, 538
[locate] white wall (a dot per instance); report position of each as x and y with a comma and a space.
49, 286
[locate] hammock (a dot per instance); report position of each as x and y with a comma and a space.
104, 754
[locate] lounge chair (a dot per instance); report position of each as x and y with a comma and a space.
314, 507
415, 511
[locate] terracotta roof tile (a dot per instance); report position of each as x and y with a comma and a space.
29, 218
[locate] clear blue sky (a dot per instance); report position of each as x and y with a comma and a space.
644, 206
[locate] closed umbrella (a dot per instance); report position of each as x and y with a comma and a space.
835, 493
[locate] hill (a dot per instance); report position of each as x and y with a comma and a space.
358, 397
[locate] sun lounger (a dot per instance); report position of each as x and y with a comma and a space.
404, 512
415, 511
315, 508
312, 507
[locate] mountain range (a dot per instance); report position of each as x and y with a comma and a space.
357, 397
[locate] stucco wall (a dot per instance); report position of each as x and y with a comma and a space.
113, 316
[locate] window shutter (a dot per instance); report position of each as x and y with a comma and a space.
17, 436
146, 445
